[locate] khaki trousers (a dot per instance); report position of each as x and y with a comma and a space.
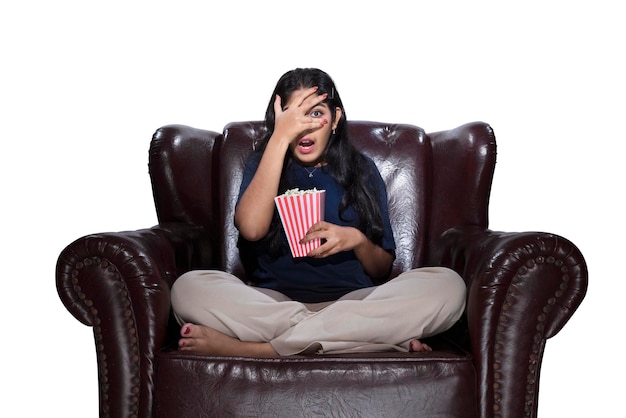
416, 304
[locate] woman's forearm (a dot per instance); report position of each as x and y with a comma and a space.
375, 260
254, 212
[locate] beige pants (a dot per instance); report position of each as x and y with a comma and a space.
416, 304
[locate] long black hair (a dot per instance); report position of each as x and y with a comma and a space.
345, 163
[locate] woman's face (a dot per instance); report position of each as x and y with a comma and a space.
308, 150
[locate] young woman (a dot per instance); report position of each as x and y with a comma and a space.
327, 302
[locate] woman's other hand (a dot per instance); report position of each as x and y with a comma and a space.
375, 260
334, 239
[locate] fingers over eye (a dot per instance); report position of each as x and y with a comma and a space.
309, 97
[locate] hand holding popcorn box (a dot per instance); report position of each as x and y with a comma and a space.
299, 210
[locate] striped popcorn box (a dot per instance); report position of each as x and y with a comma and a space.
299, 210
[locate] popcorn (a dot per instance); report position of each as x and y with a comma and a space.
299, 210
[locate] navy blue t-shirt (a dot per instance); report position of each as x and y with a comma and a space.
312, 280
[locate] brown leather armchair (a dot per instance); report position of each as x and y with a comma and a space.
522, 289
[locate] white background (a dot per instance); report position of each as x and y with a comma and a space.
84, 85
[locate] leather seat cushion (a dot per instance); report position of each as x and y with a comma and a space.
364, 385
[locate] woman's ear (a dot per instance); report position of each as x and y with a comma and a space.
338, 114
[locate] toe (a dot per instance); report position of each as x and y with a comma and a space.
186, 330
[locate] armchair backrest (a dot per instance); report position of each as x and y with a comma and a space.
434, 182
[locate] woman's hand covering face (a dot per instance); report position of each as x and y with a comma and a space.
295, 119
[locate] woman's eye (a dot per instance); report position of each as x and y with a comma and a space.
316, 113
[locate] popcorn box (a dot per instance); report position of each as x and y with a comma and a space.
299, 210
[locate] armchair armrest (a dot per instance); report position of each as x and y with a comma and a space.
119, 284
522, 289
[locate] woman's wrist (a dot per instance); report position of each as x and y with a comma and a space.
280, 140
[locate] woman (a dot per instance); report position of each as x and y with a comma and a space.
326, 302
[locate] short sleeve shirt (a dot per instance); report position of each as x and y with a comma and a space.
312, 280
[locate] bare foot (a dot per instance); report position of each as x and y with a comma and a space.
417, 345
204, 340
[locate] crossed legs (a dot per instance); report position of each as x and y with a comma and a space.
220, 315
